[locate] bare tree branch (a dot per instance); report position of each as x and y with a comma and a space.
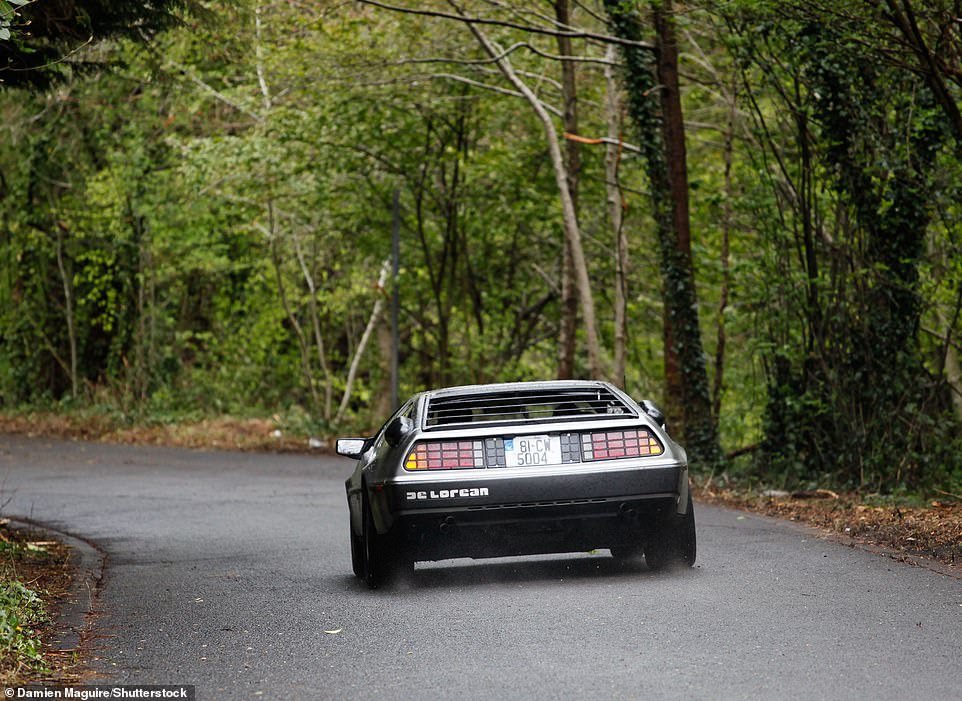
572, 231
365, 338
508, 51
590, 11
537, 77
603, 140
534, 29
259, 64
219, 95
494, 88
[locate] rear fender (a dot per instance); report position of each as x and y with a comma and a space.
378, 499
354, 510
683, 489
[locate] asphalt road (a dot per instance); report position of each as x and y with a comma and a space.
225, 570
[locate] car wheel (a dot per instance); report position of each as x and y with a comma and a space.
674, 541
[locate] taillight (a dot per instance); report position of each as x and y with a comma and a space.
574, 448
605, 445
445, 455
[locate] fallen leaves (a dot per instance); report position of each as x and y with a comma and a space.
934, 531
227, 432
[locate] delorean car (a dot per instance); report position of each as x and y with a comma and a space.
519, 468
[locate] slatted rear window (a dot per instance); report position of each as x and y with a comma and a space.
524, 406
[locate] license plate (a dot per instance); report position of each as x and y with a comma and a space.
525, 451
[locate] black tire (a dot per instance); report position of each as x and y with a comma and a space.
382, 557
674, 542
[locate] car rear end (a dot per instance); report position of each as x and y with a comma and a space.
529, 468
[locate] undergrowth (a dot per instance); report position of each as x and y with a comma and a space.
21, 613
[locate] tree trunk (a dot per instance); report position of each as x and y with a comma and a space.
662, 140
316, 327
68, 302
568, 332
382, 404
569, 218
616, 217
726, 224
953, 375
302, 343
365, 337
567, 341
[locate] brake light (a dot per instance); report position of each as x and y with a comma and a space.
606, 445
445, 455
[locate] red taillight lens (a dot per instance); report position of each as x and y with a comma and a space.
446, 455
606, 445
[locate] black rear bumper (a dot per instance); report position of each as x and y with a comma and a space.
530, 528
478, 517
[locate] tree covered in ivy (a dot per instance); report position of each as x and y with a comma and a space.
853, 395
652, 86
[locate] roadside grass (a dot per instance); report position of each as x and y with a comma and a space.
21, 609
33, 574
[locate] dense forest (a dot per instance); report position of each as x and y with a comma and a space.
748, 211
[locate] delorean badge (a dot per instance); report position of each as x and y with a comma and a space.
430, 494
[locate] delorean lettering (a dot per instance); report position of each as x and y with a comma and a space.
447, 494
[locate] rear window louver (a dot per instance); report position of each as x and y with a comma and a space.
524, 406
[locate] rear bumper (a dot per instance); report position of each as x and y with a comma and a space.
485, 515
525, 529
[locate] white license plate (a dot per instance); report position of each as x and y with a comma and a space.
527, 451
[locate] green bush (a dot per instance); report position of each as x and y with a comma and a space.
21, 609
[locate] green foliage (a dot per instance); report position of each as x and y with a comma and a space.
669, 203
200, 228
217, 239
21, 609
850, 398
40, 41
9, 16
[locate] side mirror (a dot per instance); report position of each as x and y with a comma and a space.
655, 413
351, 447
397, 429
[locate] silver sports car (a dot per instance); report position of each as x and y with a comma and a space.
517, 469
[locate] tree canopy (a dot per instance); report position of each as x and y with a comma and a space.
746, 211
42, 41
